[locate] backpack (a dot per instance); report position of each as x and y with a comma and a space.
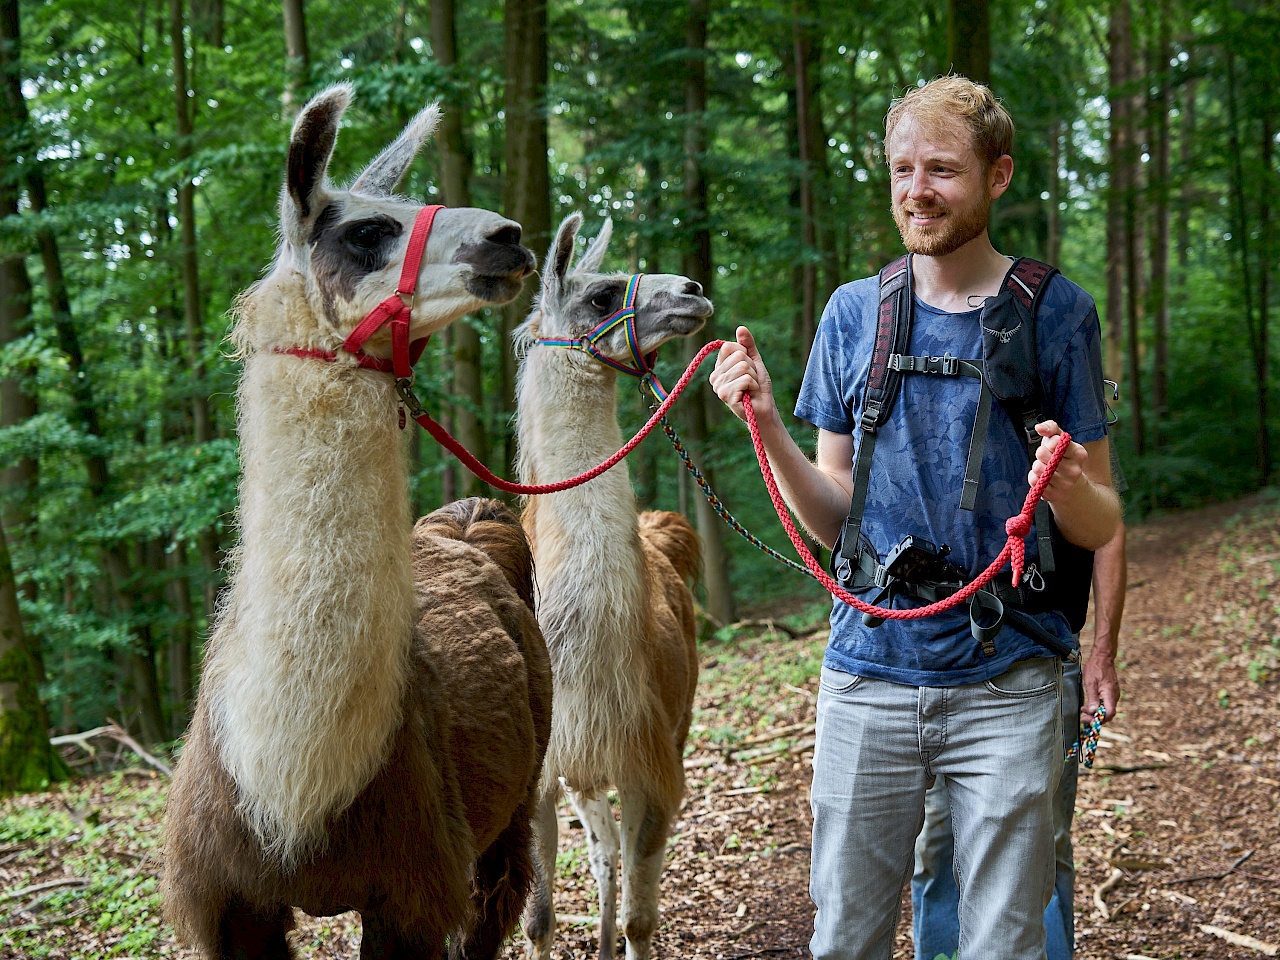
1008, 372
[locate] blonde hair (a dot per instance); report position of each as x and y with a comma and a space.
950, 99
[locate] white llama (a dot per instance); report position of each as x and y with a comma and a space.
613, 601
375, 699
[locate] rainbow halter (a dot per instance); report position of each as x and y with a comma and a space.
641, 366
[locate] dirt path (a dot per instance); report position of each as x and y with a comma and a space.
1178, 825
1177, 828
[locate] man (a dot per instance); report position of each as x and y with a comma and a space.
934, 897
911, 700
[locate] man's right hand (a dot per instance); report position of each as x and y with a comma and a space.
739, 370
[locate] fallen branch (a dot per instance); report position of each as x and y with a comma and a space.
763, 951
117, 733
1241, 940
48, 885
1214, 876
776, 733
770, 625
808, 693
1120, 768
1103, 887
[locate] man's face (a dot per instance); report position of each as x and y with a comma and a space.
941, 193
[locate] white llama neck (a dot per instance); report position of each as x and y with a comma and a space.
567, 423
309, 661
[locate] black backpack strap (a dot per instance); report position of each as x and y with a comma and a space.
893, 330
1026, 281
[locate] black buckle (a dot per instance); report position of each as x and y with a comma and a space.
871, 415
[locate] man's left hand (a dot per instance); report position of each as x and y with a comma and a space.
1070, 470
1101, 685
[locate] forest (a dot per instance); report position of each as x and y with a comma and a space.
738, 143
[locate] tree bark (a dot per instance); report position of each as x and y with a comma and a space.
468, 405
1053, 245
969, 39
527, 180
696, 264
1157, 289
1240, 234
27, 760
297, 56
1186, 157
1119, 59
192, 312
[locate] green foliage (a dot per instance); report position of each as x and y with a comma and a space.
97, 79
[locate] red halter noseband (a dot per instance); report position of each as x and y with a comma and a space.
395, 309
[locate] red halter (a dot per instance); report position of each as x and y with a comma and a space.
394, 309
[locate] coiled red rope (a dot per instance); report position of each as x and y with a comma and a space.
1017, 526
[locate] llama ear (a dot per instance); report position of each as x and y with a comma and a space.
594, 256
559, 257
380, 177
310, 147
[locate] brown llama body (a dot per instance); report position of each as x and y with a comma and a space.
374, 706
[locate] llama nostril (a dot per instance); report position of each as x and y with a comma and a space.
508, 236
693, 288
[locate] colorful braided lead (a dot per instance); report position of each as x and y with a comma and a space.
1086, 745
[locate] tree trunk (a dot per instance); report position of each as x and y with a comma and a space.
182, 691
1263, 362
1186, 157
468, 395
1119, 57
802, 46
1157, 289
969, 39
27, 760
696, 264
297, 56
527, 180
193, 320
1240, 234
1053, 245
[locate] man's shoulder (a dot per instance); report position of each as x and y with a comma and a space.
1066, 298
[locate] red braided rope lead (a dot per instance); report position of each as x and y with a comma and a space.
443, 438
1017, 526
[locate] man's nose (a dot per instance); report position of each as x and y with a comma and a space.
919, 184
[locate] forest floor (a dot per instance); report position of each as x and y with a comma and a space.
1177, 825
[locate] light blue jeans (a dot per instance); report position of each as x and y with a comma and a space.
879, 747
935, 897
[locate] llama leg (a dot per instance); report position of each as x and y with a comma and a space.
645, 824
602, 853
248, 934
540, 911
503, 875
382, 938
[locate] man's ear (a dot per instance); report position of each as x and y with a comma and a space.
594, 256
999, 176
559, 257
310, 147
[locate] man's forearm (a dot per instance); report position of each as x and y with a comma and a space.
1090, 517
1110, 581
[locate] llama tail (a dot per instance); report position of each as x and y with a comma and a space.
672, 534
490, 526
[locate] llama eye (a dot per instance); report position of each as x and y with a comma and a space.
602, 300
365, 236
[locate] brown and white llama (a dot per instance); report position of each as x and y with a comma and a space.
375, 699
613, 599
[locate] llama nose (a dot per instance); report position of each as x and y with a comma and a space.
693, 288
508, 236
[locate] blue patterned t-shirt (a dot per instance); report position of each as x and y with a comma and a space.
918, 467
